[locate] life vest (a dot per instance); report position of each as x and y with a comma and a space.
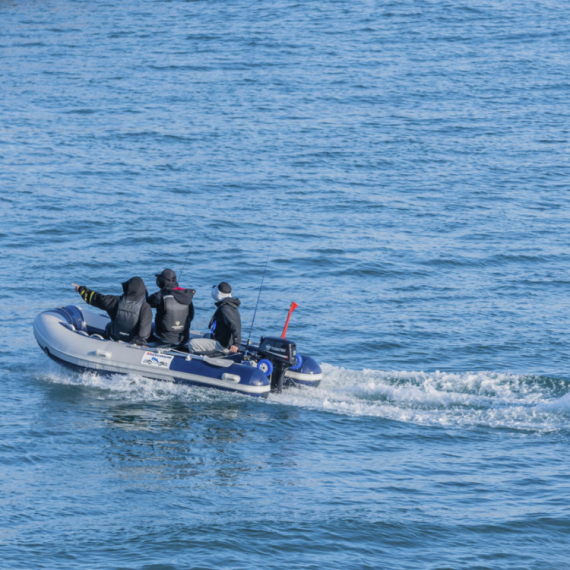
171, 326
125, 325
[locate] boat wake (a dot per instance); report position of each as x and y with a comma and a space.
470, 399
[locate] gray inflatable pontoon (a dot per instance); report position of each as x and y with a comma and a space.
73, 337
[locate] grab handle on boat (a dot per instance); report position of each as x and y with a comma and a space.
103, 353
233, 377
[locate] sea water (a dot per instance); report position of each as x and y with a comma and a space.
403, 168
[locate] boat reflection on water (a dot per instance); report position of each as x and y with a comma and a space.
213, 445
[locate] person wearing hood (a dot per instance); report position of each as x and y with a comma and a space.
225, 324
174, 309
131, 316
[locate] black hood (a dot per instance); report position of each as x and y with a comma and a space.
183, 296
229, 301
134, 288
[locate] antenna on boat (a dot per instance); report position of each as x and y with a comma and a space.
257, 304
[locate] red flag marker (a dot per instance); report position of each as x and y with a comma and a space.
293, 307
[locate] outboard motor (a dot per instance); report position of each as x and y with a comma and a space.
282, 353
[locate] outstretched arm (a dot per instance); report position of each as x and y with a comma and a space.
105, 302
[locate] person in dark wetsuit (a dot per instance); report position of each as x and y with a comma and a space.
131, 316
225, 324
174, 309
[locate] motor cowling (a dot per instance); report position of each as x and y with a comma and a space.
282, 353
278, 349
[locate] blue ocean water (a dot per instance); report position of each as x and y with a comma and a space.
404, 167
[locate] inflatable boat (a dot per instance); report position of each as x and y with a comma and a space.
73, 336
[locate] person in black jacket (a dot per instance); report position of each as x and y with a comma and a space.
225, 324
174, 309
131, 316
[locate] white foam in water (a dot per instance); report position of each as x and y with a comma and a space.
131, 387
559, 405
474, 399
470, 399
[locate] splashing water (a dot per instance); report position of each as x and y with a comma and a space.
133, 388
470, 399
